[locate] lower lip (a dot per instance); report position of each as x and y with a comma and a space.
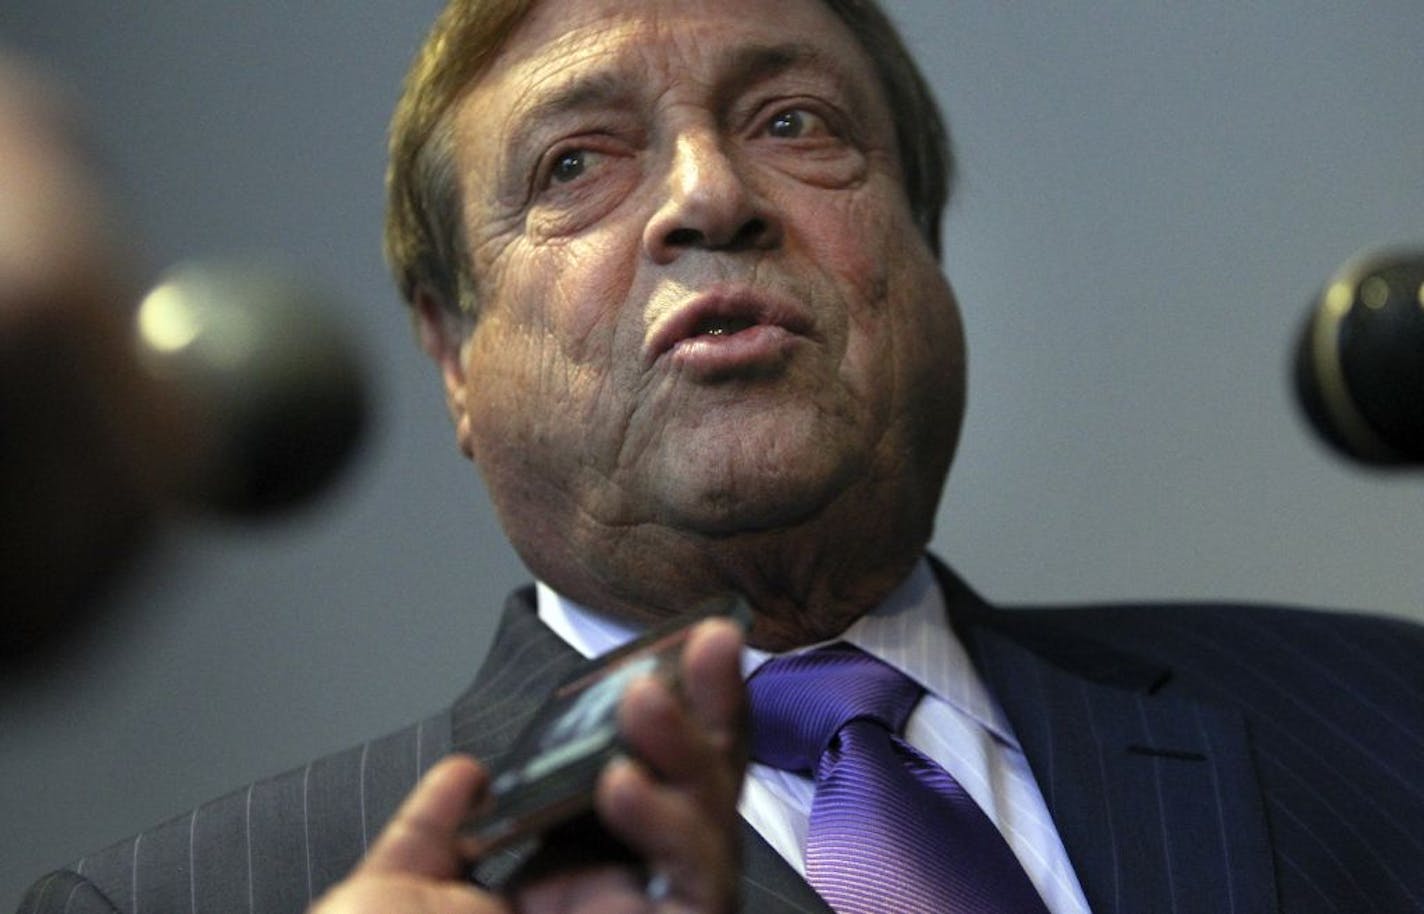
751, 350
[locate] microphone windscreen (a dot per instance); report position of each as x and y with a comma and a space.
1359, 365
272, 387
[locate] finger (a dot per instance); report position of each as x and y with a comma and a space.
688, 738
677, 806
712, 677
695, 848
421, 838
661, 731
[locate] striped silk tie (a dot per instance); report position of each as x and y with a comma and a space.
890, 830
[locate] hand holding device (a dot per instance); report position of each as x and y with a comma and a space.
549, 775
672, 799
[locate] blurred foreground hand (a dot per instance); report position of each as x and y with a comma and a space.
77, 479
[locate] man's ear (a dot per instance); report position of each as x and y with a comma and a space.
443, 339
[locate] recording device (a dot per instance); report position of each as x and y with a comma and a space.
549, 775
1359, 365
270, 387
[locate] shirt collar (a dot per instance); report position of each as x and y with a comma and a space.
584, 630
910, 630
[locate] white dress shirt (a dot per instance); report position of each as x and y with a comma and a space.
958, 724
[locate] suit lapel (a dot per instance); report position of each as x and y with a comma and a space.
1153, 794
525, 662
769, 884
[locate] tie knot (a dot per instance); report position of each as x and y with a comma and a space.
799, 703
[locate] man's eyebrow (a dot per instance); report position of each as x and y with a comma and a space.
743, 67
750, 64
597, 90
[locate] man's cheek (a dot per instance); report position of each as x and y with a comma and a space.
512, 362
586, 282
866, 362
857, 249
888, 332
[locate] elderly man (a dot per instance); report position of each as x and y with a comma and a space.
676, 263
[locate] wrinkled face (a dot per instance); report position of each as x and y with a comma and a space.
703, 303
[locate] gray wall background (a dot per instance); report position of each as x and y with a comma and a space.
1151, 196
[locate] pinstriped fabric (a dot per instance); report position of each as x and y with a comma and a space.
234, 873
1337, 749
270, 847
278, 844
487, 718
957, 724
219, 864
525, 661
110, 874
334, 832
1305, 724
1150, 793
1217, 801
1061, 784
1292, 729
361, 796
961, 727
67, 893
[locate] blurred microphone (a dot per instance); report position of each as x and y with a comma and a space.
1359, 366
268, 389
230, 390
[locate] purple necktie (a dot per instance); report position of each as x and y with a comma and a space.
890, 830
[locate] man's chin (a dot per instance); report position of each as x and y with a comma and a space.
753, 506
746, 470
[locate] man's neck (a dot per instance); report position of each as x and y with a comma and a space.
591, 632
805, 584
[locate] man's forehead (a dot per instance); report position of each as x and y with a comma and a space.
560, 38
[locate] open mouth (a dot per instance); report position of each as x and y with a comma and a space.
728, 327
721, 326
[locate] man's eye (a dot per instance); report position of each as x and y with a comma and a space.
794, 123
569, 166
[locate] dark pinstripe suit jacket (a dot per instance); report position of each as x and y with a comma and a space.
1194, 758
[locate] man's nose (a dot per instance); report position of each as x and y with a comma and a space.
708, 204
